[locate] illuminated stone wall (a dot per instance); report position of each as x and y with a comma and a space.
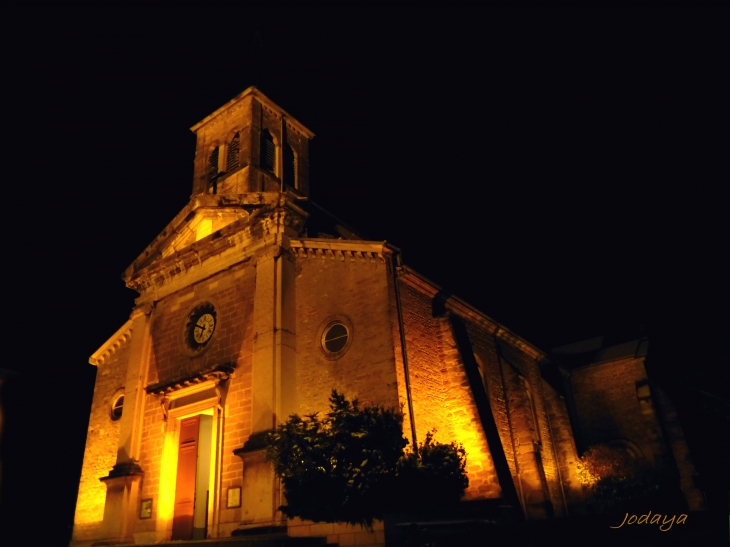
533, 442
339, 534
353, 288
442, 398
544, 453
101, 444
232, 293
536, 437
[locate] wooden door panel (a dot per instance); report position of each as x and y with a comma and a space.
187, 460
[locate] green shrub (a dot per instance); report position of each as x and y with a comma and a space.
351, 465
617, 483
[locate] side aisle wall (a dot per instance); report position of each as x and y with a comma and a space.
102, 440
442, 399
530, 417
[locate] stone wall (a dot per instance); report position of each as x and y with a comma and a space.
101, 444
354, 290
609, 408
442, 397
231, 291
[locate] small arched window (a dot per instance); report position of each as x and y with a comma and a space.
233, 157
268, 151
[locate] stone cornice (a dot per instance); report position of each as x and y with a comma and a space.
113, 344
470, 313
337, 249
263, 99
230, 245
200, 201
215, 374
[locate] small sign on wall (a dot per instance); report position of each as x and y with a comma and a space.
145, 509
233, 498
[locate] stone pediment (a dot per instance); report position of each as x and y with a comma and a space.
237, 227
204, 215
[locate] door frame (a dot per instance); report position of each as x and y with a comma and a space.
204, 399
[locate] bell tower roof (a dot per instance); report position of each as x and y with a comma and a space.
263, 99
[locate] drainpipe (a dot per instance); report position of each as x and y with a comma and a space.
395, 263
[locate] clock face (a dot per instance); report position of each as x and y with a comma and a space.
199, 327
203, 328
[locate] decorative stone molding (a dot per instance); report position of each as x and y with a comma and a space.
328, 249
117, 340
282, 216
265, 102
231, 244
257, 441
216, 374
462, 309
124, 469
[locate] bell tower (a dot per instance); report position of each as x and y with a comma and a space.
251, 145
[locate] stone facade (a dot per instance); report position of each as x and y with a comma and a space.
245, 256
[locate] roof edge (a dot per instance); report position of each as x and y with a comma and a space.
115, 341
256, 92
467, 311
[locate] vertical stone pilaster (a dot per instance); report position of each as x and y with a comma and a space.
130, 433
286, 336
273, 373
264, 345
123, 480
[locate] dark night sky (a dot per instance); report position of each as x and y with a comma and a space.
558, 166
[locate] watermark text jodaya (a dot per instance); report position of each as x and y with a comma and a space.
665, 522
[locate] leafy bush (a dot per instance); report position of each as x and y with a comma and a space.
435, 476
616, 482
602, 461
351, 465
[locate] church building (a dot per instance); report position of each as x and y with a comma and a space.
254, 304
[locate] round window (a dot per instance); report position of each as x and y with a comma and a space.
335, 338
117, 407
